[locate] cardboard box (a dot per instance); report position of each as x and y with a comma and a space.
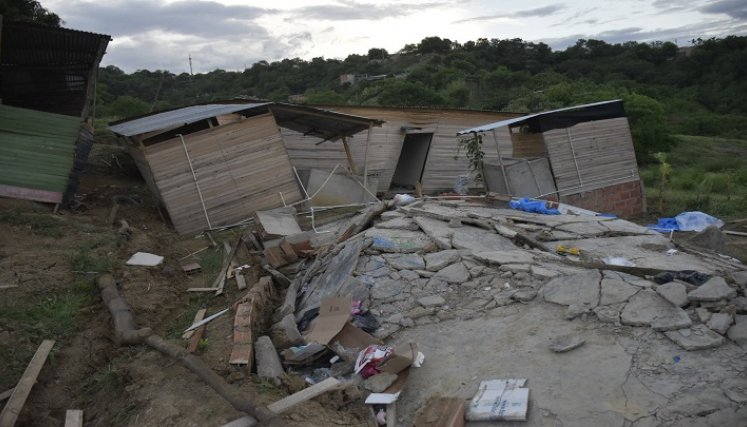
333, 326
441, 412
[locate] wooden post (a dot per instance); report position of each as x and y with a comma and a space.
351, 163
500, 162
365, 161
13, 408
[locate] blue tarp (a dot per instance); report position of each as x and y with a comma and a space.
686, 221
533, 206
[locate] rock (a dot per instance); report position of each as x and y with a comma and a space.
582, 289
455, 223
738, 332
370, 263
455, 273
515, 256
405, 261
395, 318
387, 215
386, 288
385, 240
703, 314
710, 238
436, 285
431, 300
608, 313
696, 338
409, 275
575, 310
418, 312
386, 331
699, 400
712, 290
614, 290
437, 230
720, 322
399, 224
522, 269
646, 306
564, 343
479, 240
674, 292
503, 299
379, 272
424, 273
268, 361
407, 322
524, 295
438, 260
285, 333
740, 304
670, 320
740, 277
714, 305
542, 272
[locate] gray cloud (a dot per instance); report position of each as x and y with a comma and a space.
540, 12
736, 9
349, 10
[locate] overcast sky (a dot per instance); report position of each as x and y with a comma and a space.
233, 34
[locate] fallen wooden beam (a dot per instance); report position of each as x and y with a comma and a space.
194, 341
74, 418
198, 316
302, 396
21, 392
735, 233
220, 281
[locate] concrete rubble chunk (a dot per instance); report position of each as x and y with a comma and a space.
387, 215
738, 331
710, 238
564, 343
713, 290
409, 275
647, 308
698, 337
524, 295
542, 272
405, 261
608, 313
379, 382
720, 322
581, 289
674, 292
503, 299
385, 240
437, 260
515, 256
431, 300
740, 277
455, 273
285, 333
437, 230
615, 290
480, 240
386, 288
703, 314
399, 224
740, 304
268, 361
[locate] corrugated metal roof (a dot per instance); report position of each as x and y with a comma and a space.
324, 124
178, 117
508, 122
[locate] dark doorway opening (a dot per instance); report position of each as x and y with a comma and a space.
411, 163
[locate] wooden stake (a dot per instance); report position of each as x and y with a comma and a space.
22, 390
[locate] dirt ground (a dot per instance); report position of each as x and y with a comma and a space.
54, 258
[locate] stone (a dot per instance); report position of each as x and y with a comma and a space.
479, 240
418, 312
431, 300
455, 273
713, 290
720, 322
738, 331
575, 310
515, 256
437, 230
405, 261
646, 306
426, 274
268, 361
582, 288
614, 290
407, 322
503, 299
740, 304
455, 223
386, 331
370, 263
710, 238
399, 224
517, 269
436, 285
438, 260
387, 215
696, 338
409, 275
524, 295
386, 240
608, 313
699, 400
674, 292
395, 318
564, 343
703, 314
740, 278
714, 305
542, 272
386, 288
671, 320
285, 333
379, 272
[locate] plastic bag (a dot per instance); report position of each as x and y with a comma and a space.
403, 199
366, 321
369, 358
696, 221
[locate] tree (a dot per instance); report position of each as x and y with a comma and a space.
28, 10
434, 45
377, 53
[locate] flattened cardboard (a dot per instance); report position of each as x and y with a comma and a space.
351, 337
334, 313
400, 359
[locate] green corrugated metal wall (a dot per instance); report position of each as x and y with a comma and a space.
36, 148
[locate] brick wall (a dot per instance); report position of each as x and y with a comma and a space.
624, 200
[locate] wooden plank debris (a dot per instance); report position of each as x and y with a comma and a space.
191, 268
74, 418
198, 316
21, 392
201, 289
220, 281
304, 395
194, 341
206, 320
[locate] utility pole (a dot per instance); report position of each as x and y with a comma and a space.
190, 65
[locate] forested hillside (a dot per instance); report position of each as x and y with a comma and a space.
698, 90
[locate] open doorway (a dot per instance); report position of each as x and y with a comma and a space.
411, 163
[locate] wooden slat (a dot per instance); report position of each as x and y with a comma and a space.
74, 418
21, 392
304, 395
198, 316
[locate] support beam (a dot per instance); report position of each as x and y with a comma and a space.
365, 161
351, 163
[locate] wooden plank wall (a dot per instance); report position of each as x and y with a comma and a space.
241, 167
386, 143
604, 152
528, 144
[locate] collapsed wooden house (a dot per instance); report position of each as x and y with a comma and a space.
215, 164
413, 145
581, 155
47, 81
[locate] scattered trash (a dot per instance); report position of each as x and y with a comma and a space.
624, 262
676, 359
403, 199
564, 250
145, 259
532, 206
686, 221
191, 268
689, 276
671, 252
499, 400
